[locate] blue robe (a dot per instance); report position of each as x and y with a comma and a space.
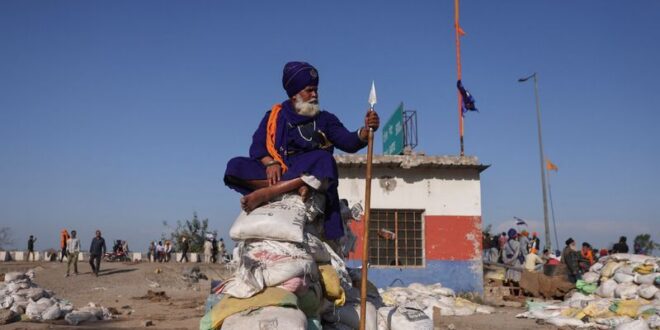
303, 144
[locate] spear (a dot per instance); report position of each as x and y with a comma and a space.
367, 213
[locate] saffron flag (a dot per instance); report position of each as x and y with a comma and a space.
550, 166
468, 99
460, 30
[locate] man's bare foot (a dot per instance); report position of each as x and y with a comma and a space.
304, 193
254, 199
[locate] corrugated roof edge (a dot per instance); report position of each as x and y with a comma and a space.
411, 161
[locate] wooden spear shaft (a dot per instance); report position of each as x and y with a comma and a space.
365, 236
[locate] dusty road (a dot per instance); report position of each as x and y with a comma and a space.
120, 283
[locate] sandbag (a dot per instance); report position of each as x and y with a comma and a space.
639, 324
610, 268
647, 291
281, 220
403, 318
562, 321
612, 322
315, 247
444, 292
623, 277
35, 309
626, 269
606, 289
51, 313
626, 291
331, 285
14, 276
596, 267
77, 317
590, 277
267, 318
645, 279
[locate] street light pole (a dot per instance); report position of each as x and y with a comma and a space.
548, 244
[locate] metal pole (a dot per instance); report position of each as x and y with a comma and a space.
548, 243
459, 74
552, 209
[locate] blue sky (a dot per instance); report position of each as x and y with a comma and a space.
119, 115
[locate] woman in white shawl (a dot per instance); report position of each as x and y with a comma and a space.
512, 257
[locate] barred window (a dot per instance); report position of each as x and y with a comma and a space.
396, 238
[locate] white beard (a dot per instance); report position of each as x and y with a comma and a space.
308, 109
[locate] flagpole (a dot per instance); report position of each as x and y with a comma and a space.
458, 73
367, 215
552, 208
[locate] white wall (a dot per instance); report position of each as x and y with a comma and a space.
439, 191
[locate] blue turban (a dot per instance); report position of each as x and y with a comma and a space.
297, 76
512, 233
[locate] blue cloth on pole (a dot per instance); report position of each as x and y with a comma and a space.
468, 99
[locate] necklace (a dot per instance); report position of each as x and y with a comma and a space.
311, 136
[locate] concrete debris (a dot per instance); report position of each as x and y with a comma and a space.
22, 298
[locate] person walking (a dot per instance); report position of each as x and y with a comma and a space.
160, 251
96, 251
214, 250
151, 253
513, 258
30, 247
222, 251
168, 251
64, 237
184, 249
72, 250
208, 249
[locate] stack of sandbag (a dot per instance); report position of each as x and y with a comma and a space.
21, 295
620, 291
412, 307
284, 276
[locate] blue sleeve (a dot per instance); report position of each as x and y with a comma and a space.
341, 137
258, 148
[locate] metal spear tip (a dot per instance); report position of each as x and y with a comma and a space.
372, 94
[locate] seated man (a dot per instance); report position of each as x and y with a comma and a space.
292, 149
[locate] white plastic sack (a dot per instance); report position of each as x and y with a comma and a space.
483, 309
620, 277
596, 267
590, 277
51, 313
14, 276
403, 318
606, 289
626, 269
282, 220
639, 324
315, 247
35, 309
444, 292
647, 291
645, 279
613, 321
562, 321
7, 302
267, 318
626, 291
77, 317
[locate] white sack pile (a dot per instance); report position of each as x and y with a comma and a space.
278, 245
22, 296
423, 298
619, 291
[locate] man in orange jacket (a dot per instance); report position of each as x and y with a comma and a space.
64, 236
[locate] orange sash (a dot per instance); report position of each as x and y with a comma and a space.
271, 130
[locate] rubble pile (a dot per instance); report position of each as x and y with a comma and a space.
619, 291
21, 296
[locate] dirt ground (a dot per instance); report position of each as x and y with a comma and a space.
119, 283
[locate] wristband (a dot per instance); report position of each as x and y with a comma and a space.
271, 163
